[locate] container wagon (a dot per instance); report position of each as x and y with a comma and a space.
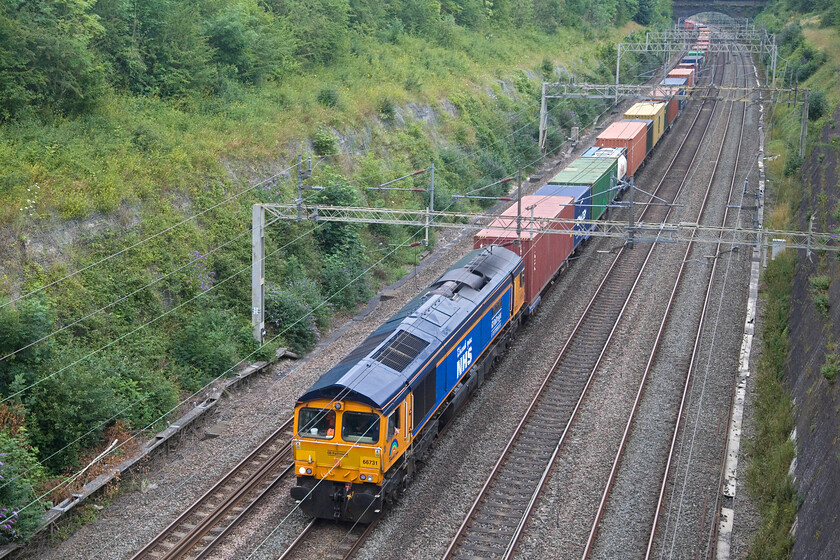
630, 135
665, 94
599, 174
543, 254
582, 197
652, 111
618, 153
686, 73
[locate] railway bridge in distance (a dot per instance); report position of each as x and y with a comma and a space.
738, 9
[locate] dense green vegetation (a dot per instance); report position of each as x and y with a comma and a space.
135, 135
807, 33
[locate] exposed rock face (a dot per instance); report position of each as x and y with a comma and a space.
813, 336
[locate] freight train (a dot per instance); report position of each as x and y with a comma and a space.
362, 428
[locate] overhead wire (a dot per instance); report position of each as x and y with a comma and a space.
144, 240
166, 275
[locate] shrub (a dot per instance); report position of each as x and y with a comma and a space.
386, 109
819, 293
19, 472
831, 367
792, 163
207, 343
22, 324
292, 313
821, 282
324, 142
393, 31
345, 279
817, 104
328, 97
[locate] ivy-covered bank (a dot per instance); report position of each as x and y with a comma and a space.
136, 136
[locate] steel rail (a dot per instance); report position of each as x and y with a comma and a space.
192, 525
299, 539
344, 549
542, 390
659, 336
695, 350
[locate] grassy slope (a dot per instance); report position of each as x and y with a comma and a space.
772, 450
135, 149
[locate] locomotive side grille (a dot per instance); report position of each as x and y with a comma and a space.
400, 351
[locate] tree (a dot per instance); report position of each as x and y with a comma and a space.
320, 27
45, 57
252, 42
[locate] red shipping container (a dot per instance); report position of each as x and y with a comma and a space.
542, 253
687, 66
631, 135
666, 93
683, 73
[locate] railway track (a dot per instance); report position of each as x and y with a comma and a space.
337, 541
497, 518
705, 531
213, 515
655, 356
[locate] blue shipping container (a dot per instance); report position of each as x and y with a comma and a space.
583, 205
676, 82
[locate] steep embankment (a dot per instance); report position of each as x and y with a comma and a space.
815, 357
797, 413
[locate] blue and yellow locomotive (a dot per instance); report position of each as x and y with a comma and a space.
360, 429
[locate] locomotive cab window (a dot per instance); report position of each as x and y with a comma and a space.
393, 424
316, 423
521, 279
362, 427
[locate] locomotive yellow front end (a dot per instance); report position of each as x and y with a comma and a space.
338, 460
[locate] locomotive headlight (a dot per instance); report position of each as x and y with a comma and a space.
363, 477
308, 471
302, 470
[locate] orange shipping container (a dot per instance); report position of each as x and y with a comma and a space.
631, 135
542, 253
686, 73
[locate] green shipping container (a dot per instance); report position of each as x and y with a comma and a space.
701, 54
599, 174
